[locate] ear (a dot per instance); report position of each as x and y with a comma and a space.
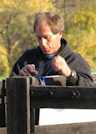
61, 34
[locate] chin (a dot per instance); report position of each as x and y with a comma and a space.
46, 53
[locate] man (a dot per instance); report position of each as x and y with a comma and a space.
53, 56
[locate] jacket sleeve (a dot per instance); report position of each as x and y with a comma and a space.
85, 80
28, 57
83, 71
18, 65
81, 80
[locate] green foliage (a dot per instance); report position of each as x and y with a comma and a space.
4, 67
82, 35
85, 19
16, 19
16, 26
2, 77
93, 70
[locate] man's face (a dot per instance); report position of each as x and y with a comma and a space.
49, 43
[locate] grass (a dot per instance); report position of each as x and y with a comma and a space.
93, 69
2, 77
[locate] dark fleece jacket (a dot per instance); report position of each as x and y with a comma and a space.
74, 60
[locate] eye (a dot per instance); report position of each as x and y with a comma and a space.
48, 38
39, 38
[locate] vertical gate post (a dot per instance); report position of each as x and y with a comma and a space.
2, 104
18, 105
33, 82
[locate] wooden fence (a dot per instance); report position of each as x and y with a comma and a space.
24, 98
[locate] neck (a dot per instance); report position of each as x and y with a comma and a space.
53, 55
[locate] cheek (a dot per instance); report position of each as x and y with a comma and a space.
52, 44
51, 47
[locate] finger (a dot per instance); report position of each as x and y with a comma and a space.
32, 70
54, 65
24, 72
55, 68
31, 67
34, 73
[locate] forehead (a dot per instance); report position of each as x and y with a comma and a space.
43, 28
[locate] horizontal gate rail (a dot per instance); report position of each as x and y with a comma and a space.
25, 96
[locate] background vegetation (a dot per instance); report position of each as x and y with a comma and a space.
16, 30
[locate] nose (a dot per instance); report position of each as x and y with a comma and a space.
43, 42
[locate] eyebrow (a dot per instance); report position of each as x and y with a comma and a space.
47, 36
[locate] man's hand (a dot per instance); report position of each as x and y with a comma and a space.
59, 64
28, 70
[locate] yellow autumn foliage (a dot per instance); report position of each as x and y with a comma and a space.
16, 19
85, 18
16, 30
82, 36
4, 67
28, 5
84, 43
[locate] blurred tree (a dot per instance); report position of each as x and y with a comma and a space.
4, 66
80, 24
82, 35
16, 19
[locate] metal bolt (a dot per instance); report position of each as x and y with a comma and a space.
51, 93
20, 101
74, 93
12, 92
32, 92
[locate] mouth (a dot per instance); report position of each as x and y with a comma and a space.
45, 50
